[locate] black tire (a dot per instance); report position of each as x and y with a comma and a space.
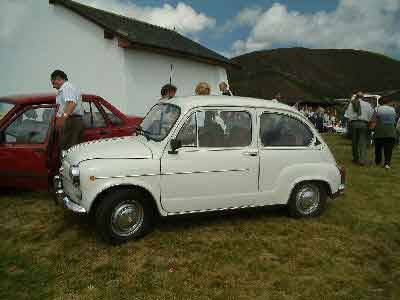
299, 207
116, 208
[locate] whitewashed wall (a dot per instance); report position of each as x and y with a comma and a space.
51, 37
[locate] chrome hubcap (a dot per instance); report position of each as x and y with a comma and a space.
127, 218
307, 199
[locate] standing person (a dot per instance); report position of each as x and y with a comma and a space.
359, 113
203, 89
385, 132
223, 87
168, 91
69, 120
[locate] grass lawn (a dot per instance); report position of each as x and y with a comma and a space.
350, 252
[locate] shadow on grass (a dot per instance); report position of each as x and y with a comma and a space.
220, 217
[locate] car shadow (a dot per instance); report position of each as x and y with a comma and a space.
220, 217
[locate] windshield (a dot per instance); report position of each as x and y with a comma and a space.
4, 109
159, 121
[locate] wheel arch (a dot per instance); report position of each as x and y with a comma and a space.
100, 196
323, 182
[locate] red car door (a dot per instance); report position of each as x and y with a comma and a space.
24, 148
119, 124
96, 125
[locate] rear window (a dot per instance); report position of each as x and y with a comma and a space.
5, 108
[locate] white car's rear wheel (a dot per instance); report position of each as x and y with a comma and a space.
308, 199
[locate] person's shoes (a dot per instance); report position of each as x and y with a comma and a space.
387, 167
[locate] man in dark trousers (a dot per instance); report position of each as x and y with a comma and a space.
223, 87
69, 120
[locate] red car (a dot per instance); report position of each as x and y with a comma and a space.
29, 154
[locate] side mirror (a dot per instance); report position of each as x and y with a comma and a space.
175, 144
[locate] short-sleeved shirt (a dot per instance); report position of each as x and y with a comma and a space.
69, 93
366, 112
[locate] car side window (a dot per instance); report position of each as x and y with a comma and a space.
111, 116
31, 127
187, 135
92, 117
217, 128
278, 130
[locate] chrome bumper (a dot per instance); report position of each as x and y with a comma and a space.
58, 189
73, 206
340, 191
61, 197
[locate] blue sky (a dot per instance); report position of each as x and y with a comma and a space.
223, 11
239, 26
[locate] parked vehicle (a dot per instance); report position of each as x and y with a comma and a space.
29, 154
200, 154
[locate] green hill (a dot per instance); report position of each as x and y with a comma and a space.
299, 73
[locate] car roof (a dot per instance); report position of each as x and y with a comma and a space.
37, 98
228, 101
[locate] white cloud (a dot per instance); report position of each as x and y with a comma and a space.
368, 24
182, 17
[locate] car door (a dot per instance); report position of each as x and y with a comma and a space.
287, 146
117, 125
24, 148
96, 124
217, 165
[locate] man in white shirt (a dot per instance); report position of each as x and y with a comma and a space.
359, 113
69, 120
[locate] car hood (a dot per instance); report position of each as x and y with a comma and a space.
114, 148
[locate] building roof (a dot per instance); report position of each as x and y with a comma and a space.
227, 101
144, 35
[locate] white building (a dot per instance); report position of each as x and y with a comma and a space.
121, 59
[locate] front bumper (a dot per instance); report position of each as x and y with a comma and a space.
61, 197
339, 192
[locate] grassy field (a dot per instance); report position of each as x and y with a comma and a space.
351, 252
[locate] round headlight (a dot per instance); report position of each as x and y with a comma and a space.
74, 174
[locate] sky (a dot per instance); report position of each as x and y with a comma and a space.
240, 26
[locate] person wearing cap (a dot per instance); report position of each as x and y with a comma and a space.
359, 113
69, 119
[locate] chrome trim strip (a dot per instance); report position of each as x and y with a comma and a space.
125, 176
206, 172
216, 209
171, 173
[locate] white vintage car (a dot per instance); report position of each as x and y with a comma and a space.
199, 154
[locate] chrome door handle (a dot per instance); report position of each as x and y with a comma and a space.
250, 153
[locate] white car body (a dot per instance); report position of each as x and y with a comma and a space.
199, 179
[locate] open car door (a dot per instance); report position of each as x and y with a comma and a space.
25, 153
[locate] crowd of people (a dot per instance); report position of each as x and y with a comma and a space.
325, 120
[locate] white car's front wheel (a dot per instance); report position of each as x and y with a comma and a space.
308, 199
123, 215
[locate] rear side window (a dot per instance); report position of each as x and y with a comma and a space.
278, 130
